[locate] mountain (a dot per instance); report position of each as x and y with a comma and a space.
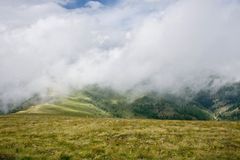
96, 101
224, 103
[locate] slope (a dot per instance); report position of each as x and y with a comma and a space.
77, 105
96, 101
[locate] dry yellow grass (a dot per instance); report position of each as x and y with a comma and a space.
65, 137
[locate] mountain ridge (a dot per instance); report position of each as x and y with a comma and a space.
96, 101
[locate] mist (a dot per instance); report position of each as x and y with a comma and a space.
162, 45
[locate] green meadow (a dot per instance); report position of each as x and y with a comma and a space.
31, 136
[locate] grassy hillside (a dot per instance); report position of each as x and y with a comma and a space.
68, 137
77, 105
95, 101
148, 105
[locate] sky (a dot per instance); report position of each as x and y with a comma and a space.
74, 4
162, 45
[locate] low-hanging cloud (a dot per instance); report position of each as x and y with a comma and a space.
161, 44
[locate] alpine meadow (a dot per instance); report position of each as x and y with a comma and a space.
119, 80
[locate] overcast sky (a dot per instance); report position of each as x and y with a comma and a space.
158, 44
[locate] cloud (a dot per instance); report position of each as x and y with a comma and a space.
162, 45
94, 5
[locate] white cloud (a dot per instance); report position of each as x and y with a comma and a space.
164, 44
94, 5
